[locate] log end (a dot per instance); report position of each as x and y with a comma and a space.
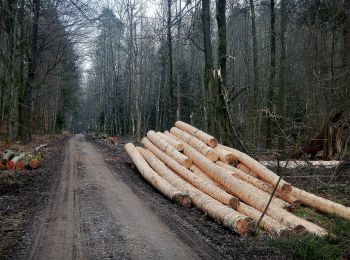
300, 229
20, 166
234, 202
212, 155
187, 163
34, 163
212, 142
286, 187
182, 199
10, 165
244, 226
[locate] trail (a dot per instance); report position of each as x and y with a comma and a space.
93, 214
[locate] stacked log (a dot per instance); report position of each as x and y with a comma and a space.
228, 185
11, 160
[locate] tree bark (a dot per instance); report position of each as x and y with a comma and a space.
270, 101
282, 79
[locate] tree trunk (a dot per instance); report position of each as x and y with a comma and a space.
172, 103
270, 99
282, 79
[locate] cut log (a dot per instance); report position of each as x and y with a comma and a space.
227, 216
171, 136
225, 156
250, 194
208, 139
178, 145
195, 180
168, 149
321, 204
154, 179
197, 144
22, 165
11, 165
39, 147
245, 169
7, 156
34, 163
263, 172
286, 201
267, 223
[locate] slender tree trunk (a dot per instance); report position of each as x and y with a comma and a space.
208, 56
282, 79
172, 106
32, 66
254, 114
270, 101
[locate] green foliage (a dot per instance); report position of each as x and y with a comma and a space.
60, 122
336, 245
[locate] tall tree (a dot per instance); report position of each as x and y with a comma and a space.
282, 78
270, 94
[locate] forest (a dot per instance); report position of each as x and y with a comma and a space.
260, 75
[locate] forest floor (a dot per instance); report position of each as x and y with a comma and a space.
87, 202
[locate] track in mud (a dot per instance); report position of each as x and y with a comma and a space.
94, 214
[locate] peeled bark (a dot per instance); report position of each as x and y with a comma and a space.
250, 194
208, 139
221, 213
321, 204
197, 144
245, 169
169, 150
178, 145
263, 172
267, 223
154, 179
262, 186
224, 155
269, 188
167, 133
195, 180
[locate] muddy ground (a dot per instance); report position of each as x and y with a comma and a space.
87, 196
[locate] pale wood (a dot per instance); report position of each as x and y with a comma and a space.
230, 218
225, 156
263, 172
197, 144
200, 183
154, 179
166, 132
250, 194
178, 145
269, 188
206, 138
267, 223
168, 149
265, 187
321, 204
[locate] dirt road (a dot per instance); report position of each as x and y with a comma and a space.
93, 214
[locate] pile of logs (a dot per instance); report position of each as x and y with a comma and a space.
188, 166
11, 160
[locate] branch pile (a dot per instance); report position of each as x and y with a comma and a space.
11, 160
189, 166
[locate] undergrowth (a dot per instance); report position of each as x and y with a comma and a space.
336, 245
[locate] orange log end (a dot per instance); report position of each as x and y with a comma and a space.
34, 163
20, 166
10, 165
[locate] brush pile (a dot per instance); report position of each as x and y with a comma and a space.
11, 160
188, 166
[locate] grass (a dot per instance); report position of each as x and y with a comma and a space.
336, 245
